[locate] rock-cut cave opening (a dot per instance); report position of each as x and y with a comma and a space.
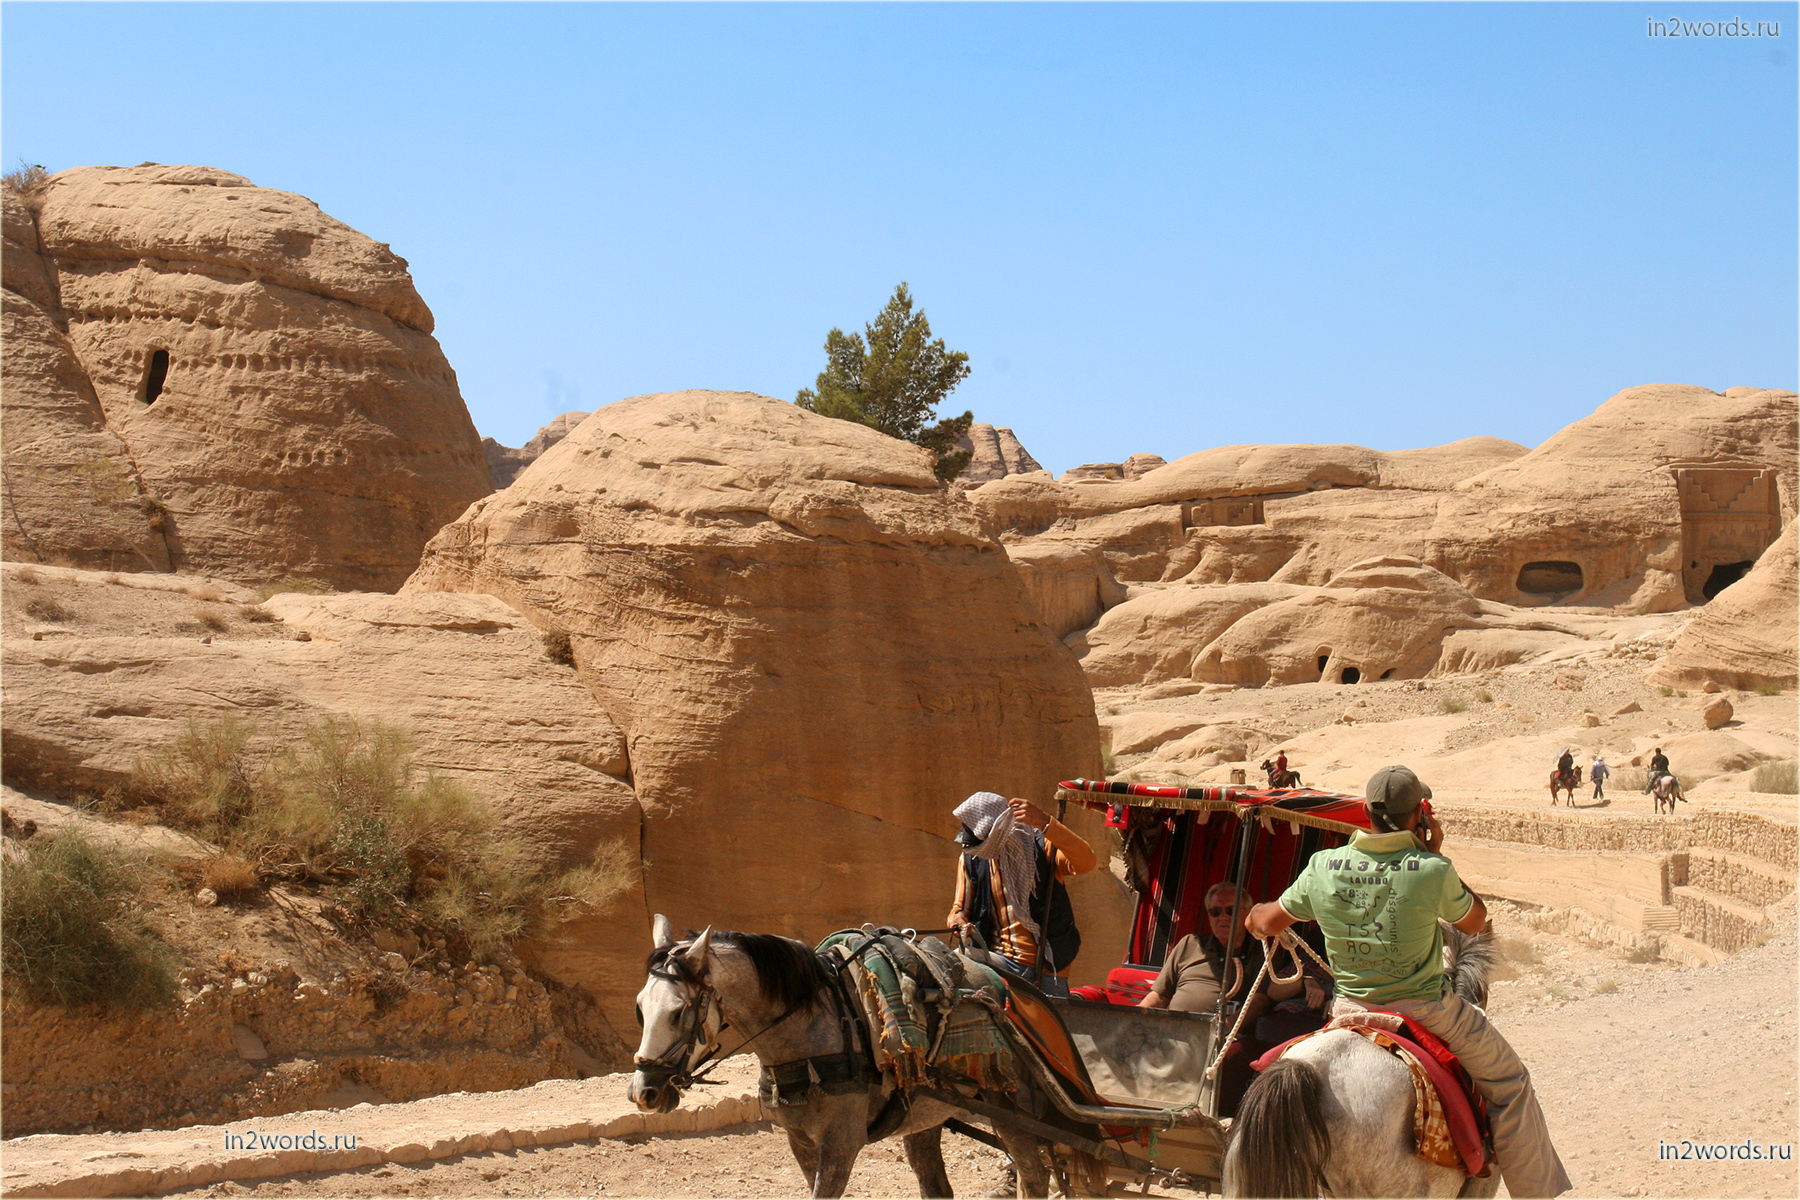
159, 374
1723, 576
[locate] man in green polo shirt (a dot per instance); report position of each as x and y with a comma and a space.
1378, 901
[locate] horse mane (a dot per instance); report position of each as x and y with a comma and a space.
788, 973
1469, 963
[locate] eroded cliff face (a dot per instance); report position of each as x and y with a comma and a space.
203, 375
1661, 498
813, 651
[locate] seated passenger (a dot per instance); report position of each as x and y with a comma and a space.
1302, 1005
1194, 973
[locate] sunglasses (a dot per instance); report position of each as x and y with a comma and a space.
1219, 912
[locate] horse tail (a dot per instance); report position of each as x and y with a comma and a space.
1469, 962
1279, 1141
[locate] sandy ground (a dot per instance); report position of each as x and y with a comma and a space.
1628, 1057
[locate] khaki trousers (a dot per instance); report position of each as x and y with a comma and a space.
1527, 1160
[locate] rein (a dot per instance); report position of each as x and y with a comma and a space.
678, 1063
1287, 939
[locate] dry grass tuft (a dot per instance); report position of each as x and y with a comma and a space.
213, 620
1485, 696
1779, 778
559, 647
1768, 689
1517, 949
257, 615
291, 583
228, 875
1453, 704
48, 608
28, 576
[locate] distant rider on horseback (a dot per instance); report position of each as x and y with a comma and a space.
1379, 909
1659, 766
1565, 765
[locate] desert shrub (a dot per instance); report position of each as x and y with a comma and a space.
27, 575
206, 591
228, 875
213, 620
205, 780
558, 647
1485, 696
1648, 951
1517, 949
1768, 689
1453, 704
1779, 777
257, 615
24, 177
73, 932
291, 583
1109, 761
347, 808
1628, 779
48, 608
1607, 987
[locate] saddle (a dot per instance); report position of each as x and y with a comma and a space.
1450, 1122
932, 1014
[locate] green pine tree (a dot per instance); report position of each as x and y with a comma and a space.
893, 381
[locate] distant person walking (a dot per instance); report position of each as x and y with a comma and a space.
1599, 773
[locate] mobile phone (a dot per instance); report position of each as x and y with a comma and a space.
1425, 807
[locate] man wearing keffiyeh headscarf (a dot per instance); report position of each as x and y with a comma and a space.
1009, 885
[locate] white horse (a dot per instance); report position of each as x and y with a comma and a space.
1334, 1116
1666, 789
783, 1004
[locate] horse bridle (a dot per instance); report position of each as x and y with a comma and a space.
697, 1037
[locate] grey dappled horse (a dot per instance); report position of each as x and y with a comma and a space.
1334, 1115
784, 1004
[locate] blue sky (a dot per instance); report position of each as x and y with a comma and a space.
1153, 227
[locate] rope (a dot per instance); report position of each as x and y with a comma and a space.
1288, 940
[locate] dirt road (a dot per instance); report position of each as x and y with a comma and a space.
1628, 1058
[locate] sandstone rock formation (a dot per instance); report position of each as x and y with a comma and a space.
812, 651
505, 463
1746, 637
207, 376
1383, 618
1656, 500
465, 673
995, 454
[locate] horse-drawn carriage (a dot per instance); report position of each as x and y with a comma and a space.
1115, 1093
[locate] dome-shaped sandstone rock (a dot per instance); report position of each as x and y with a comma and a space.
812, 649
257, 380
1383, 618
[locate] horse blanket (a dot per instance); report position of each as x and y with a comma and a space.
918, 1000
1449, 1122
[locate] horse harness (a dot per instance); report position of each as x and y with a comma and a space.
697, 1045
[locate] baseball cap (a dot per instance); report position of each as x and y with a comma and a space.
1396, 791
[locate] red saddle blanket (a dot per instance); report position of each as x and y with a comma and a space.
1464, 1110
